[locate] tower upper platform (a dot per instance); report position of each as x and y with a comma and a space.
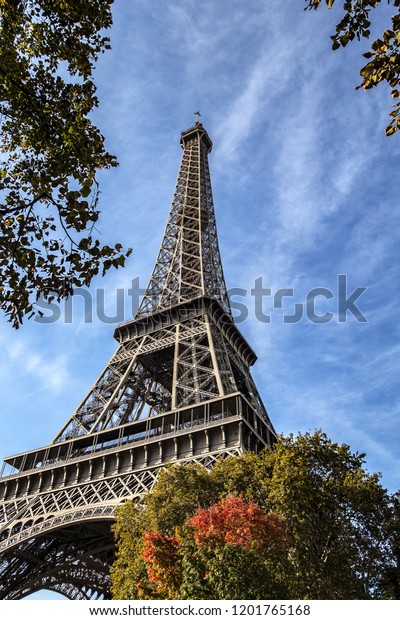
197, 132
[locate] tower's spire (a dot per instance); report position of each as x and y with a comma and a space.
189, 262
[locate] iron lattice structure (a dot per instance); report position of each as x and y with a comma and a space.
178, 389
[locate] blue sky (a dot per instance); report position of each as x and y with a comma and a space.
304, 184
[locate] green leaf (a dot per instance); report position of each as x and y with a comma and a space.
85, 191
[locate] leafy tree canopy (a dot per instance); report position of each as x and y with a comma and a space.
384, 55
232, 550
304, 520
50, 151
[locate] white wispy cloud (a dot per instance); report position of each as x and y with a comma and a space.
25, 356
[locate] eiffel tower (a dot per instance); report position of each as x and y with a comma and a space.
178, 389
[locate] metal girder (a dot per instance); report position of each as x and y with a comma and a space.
74, 560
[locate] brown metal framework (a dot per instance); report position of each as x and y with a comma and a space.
178, 389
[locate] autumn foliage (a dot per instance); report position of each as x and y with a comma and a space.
230, 534
160, 554
236, 522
